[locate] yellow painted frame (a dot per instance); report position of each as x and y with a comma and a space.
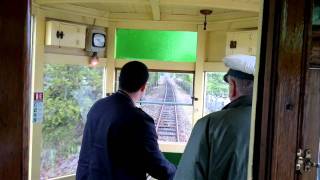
40, 58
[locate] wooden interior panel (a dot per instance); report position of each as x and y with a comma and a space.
279, 91
311, 119
287, 100
15, 74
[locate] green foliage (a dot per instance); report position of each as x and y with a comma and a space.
185, 81
153, 78
69, 92
216, 85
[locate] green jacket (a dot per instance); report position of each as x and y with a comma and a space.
218, 145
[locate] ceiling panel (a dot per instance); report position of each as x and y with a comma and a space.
141, 10
187, 10
231, 15
118, 7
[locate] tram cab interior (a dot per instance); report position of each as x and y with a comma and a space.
79, 47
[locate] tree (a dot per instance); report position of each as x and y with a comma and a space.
216, 85
69, 92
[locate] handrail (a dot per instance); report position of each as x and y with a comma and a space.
167, 103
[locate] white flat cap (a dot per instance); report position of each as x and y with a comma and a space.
241, 62
241, 66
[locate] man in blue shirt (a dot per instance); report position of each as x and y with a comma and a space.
120, 140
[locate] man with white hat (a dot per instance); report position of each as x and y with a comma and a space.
219, 142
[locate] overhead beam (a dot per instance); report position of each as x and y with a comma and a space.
221, 4
129, 16
223, 17
75, 16
252, 6
155, 7
41, 2
80, 9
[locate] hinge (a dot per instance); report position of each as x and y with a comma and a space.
304, 161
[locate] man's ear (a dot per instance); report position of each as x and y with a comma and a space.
234, 87
143, 87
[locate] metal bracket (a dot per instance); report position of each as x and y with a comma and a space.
304, 161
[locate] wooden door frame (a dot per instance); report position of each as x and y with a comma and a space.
281, 88
15, 88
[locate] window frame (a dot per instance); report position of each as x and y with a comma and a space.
61, 59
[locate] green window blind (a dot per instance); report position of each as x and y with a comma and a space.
175, 46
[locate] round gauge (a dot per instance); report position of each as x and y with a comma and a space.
99, 40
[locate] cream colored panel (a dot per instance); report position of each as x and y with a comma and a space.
156, 25
38, 64
72, 16
172, 147
52, 27
74, 35
130, 16
119, 8
214, 67
199, 75
254, 42
142, 8
230, 37
250, 23
255, 94
161, 65
50, 58
71, 35
243, 43
216, 43
110, 79
246, 42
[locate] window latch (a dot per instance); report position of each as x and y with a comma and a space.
194, 98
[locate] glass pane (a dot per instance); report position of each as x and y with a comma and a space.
168, 101
173, 122
216, 92
69, 91
169, 88
316, 17
316, 13
165, 84
178, 46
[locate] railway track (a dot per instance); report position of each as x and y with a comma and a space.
167, 123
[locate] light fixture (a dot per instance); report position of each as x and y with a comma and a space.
94, 59
205, 12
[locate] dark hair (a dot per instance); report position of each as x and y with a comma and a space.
133, 76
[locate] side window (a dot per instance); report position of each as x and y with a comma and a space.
69, 92
216, 92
